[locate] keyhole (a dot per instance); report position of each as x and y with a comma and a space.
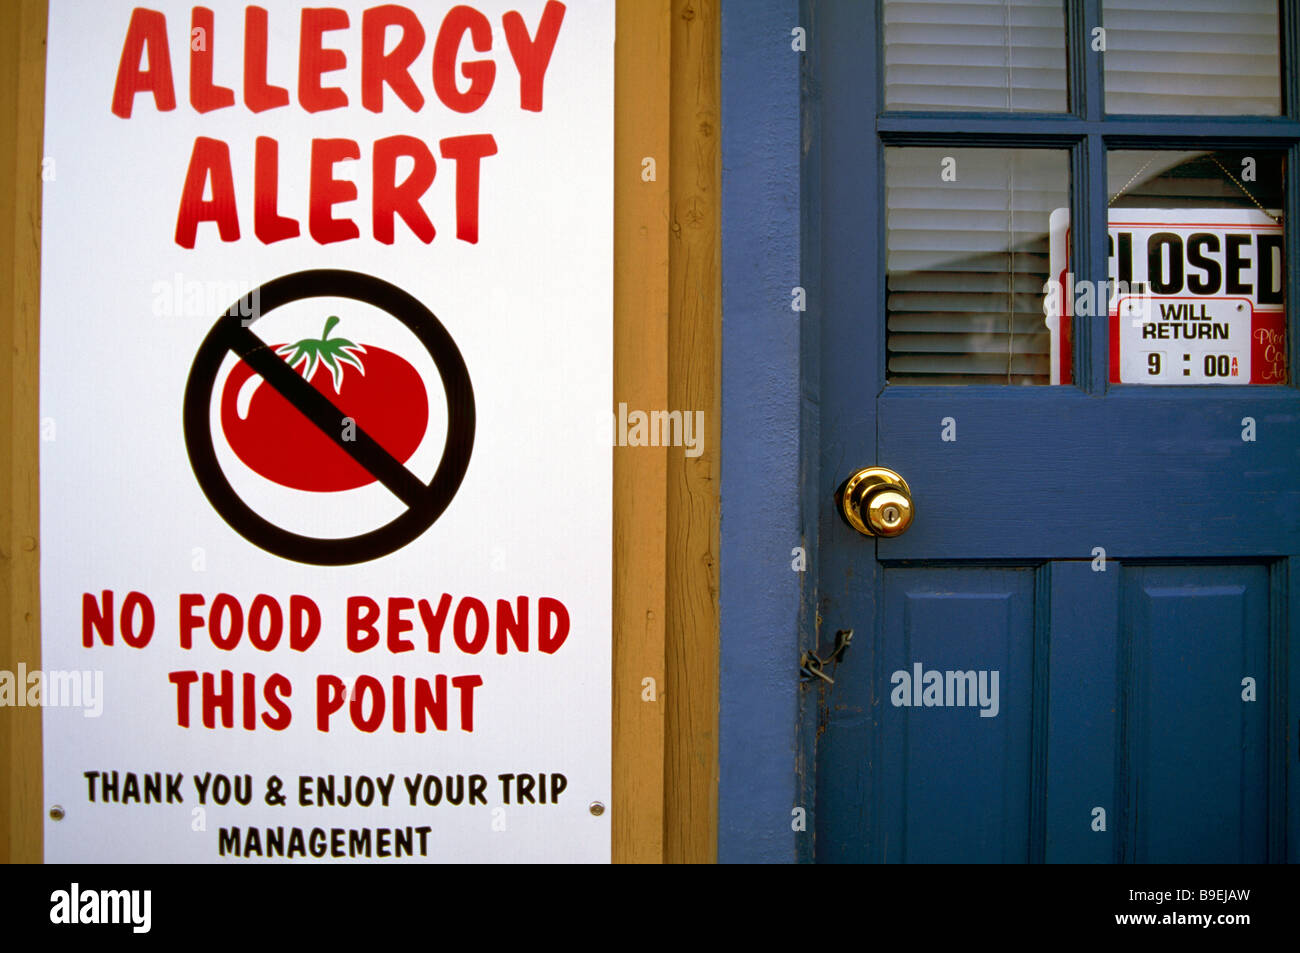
890, 514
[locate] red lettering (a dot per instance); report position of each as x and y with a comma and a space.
362, 635
369, 701
268, 224
218, 697
466, 684
533, 55
210, 160
367, 684
137, 639
222, 604
512, 625
259, 96
249, 700
183, 681
466, 151
98, 617
277, 687
434, 621
550, 639
397, 625
393, 68
431, 703
329, 699
391, 198
314, 60
205, 96
465, 642
481, 73
327, 191
399, 703
223, 700
146, 31
262, 605
304, 623
190, 620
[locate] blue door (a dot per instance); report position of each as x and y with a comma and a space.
1083, 647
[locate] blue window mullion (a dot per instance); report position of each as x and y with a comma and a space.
1291, 215
1289, 28
1091, 85
1088, 198
1089, 223
1173, 132
1085, 74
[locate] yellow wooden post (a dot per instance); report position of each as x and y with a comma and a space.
22, 103
641, 133
667, 329
694, 383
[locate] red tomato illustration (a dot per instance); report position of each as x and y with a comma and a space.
378, 389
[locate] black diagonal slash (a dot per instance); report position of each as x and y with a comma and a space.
424, 504
322, 412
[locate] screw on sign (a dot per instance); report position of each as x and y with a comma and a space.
294, 414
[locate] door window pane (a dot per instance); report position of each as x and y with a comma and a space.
1197, 260
967, 261
1192, 57
975, 55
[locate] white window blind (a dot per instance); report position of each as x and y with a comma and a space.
966, 262
975, 55
1192, 57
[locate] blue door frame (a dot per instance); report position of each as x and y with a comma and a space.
763, 457
780, 378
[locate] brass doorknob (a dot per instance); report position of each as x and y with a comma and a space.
876, 501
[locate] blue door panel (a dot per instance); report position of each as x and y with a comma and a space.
1121, 731
957, 761
1040, 475
1196, 758
1081, 761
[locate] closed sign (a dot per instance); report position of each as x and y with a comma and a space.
1195, 296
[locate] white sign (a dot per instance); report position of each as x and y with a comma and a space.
326, 332
1184, 340
1195, 296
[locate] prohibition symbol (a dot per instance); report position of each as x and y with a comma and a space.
424, 503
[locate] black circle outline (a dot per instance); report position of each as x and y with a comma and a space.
317, 283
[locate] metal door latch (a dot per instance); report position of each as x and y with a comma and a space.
813, 666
